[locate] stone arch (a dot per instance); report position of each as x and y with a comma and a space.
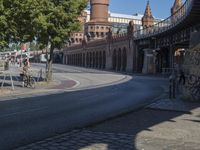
77, 59
72, 59
114, 59
93, 59
100, 59
87, 59
140, 60
124, 59
68, 59
96, 59
90, 59
83, 60
119, 60
104, 60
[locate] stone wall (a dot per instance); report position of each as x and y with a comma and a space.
192, 67
119, 50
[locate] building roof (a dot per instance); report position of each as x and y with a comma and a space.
134, 16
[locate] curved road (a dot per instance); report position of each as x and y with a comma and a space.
23, 121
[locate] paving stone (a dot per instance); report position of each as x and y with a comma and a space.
147, 129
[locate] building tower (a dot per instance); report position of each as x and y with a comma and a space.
98, 25
147, 19
177, 5
77, 37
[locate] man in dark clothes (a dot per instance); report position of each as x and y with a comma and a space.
182, 77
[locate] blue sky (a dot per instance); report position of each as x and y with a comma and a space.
160, 8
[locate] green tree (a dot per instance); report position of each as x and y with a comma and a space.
18, 14
53, 21
3, 27
49, 22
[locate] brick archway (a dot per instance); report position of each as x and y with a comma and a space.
104, 59
100, 59
90, 59
124, 59
84, 60
96, 60
119, 60
87, 59
93, 59
114, 59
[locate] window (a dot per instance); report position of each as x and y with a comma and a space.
97, 33
102, 34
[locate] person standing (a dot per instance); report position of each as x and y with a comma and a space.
182, 77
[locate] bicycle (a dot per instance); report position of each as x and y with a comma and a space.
28, 81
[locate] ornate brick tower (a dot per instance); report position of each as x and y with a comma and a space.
147, 19
77, 37
98, 25
177, 5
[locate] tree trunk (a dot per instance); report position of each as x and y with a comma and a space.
49, 66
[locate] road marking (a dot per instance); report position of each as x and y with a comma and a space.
77, 82
21, 112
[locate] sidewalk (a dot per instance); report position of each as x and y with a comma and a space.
63, 80
164, 125
42, 88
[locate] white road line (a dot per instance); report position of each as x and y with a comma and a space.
21, 112
77, 82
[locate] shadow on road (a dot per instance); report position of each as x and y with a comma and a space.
47, 116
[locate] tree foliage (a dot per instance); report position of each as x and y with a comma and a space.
3, 26
49, 22
54, 20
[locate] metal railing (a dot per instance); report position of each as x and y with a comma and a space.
166, 24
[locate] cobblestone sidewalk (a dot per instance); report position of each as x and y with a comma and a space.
153, 128
84, 140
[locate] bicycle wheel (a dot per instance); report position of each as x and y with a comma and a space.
25, 80
32, 82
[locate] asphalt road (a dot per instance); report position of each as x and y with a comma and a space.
24, 121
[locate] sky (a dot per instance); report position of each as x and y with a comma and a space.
159, 8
